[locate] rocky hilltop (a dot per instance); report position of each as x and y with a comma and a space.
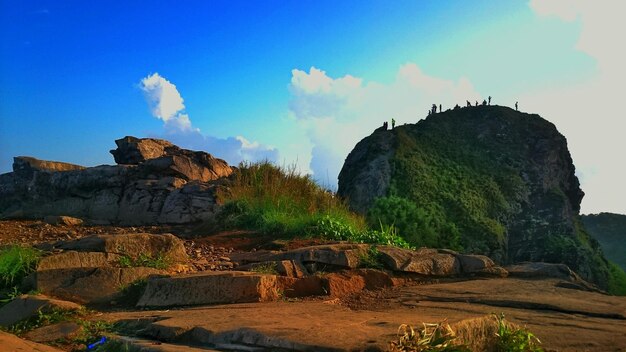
501, 180
154, 182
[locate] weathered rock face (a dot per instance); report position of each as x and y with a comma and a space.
155, 183
504, 178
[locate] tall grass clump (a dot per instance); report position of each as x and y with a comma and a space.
16, 262
280, 201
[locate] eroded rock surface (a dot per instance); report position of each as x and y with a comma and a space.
155, 182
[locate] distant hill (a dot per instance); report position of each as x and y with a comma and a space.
483, 179
610, 230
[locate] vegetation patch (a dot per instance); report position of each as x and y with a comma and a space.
492, 333
280, 202
158, 261
44, 318
371, 259
265, 268
16, 262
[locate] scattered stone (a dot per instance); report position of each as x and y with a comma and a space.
62, 220
343, 255
74, 259
424, 261
26, 306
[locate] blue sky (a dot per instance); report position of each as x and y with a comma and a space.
299, 81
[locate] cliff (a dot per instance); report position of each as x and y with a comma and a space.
485, 179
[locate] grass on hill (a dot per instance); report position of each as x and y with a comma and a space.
281, 202
16, 262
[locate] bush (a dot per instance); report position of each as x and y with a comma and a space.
337, 230
617, 280
16, 262
416, 225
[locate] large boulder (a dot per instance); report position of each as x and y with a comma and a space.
90, 285
424, 261
132, 151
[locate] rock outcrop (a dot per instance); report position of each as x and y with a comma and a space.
155, 182
503, 178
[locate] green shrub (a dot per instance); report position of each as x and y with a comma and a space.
512, 339
335, 229
617, 280
416, 225
16, 262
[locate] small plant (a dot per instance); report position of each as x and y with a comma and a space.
433, 337
265, 268
512, 339
145, 260
371, 259
114, 346
16, 262
93, 331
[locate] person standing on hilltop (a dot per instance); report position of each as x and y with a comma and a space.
468, 103
393, 123
439, 107
489, 101
516, 107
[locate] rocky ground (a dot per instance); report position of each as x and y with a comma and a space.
241, 292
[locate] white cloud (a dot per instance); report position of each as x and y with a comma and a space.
167, 104
338, 112
590, 114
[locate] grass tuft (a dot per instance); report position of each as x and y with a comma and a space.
145, 260
16, 262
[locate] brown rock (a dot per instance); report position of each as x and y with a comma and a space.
62, 220
73, 259
345, 255
209, 288
12, 343
90, 285
26, 306
302, 287
131, 150
423, 261
133, 245
64, 330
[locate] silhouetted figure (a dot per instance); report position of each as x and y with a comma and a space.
434, 108
429, 112
484, 102
393, 123
516, 107
489, 102
468, 103
386, 125
457, 107
439, 107
476, 102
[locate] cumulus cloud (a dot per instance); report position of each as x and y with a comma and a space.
590, 113
338, 112
167, 104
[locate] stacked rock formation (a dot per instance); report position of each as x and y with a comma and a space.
155, 182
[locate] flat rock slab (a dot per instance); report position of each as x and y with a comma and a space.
209, 288
26, 306
132, 245
74, 259
90, 285
330, 326
12, 343
65, 330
